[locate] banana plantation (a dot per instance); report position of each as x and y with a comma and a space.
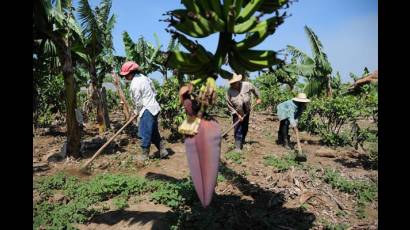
202, 127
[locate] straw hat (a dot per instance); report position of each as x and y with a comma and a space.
301, 97
235, 78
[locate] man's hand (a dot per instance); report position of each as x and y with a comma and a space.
258, 101
240, 117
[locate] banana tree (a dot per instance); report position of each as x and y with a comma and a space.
53, 21
143, 53
202, 18
97, 51
317, 69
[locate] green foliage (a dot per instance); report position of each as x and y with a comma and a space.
172, 113
113, 100
234, 156
221, 178
120, 202
50, 98
363, 190
220, 107
281, 164
272, 91
328, 116
173, 195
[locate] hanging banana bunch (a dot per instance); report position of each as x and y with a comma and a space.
202, 18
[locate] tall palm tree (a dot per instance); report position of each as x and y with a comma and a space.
317, 69
97, 30
55, 27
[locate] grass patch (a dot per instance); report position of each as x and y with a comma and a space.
365, 191
221, 178
282, 163
331, 226
234, 156
80, 196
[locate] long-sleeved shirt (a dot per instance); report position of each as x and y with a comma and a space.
143, 94
241, 100
289, 110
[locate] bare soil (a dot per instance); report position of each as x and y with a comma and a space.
250, 191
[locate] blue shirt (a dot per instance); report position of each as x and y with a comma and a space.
289, 110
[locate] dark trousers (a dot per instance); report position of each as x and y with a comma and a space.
148, 130
241, 129
283, 133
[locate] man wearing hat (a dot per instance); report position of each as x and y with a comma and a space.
288, 113
143, 93
239, 103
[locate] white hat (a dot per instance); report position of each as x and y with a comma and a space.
301, 97
235, 78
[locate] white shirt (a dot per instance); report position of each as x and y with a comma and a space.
143, 93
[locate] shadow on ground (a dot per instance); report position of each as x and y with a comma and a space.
264, 211
360, 161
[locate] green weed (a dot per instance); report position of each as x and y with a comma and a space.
234, 156
281, 164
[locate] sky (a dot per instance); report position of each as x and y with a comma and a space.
348, 30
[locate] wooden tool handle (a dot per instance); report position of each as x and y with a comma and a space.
109, 141
297, 139
230, 128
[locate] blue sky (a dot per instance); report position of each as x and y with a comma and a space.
348, 29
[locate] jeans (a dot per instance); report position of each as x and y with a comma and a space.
241, 129
283, 133
148, 130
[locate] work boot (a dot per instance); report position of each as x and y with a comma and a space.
285, 144
238, 145
144, 154
162, 150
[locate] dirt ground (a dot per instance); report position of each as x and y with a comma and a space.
255, 189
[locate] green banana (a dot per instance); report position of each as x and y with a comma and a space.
225, 74
191, 5
258, 54
269, 7
190, 28
217, 23
243, 65
255, 60
255, 39
245, 26
204, 24
235, 65
216, 7
238, 7
205, 5
179, 13
248, 10
198, 50
270, 22
194, 48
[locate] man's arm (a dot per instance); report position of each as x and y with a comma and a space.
231, 107
256, 92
